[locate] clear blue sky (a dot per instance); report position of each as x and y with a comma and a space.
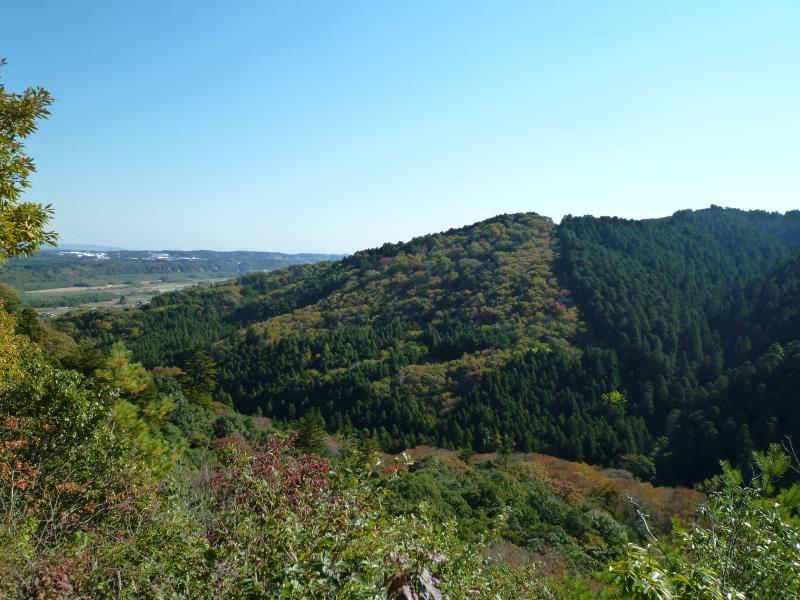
332, 126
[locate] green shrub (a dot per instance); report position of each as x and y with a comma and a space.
744, 545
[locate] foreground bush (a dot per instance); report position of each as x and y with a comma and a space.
268, 524
745, 544
293, 526
88, 510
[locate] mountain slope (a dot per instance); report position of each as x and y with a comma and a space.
599, 339
651, 289
765, 312
391, 341
673, 298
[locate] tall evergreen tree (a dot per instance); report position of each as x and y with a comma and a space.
311, 432
200, 379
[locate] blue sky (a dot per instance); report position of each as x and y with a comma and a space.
332, 126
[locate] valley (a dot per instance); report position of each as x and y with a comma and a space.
55, 281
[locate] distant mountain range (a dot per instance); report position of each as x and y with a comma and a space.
90, 265
102, 248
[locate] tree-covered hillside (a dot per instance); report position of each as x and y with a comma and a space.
600, 339
765, 312
390, 341
678, 301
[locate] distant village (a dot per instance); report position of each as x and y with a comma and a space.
105, 255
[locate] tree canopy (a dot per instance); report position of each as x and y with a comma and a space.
22, 224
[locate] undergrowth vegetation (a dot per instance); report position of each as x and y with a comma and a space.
100, 499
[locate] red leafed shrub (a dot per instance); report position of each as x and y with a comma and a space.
61, 580
297, 483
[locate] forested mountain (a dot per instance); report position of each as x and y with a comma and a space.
600, 339
680, 301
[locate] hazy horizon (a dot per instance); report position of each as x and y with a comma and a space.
330, 128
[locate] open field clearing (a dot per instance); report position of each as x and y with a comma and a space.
57, 301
